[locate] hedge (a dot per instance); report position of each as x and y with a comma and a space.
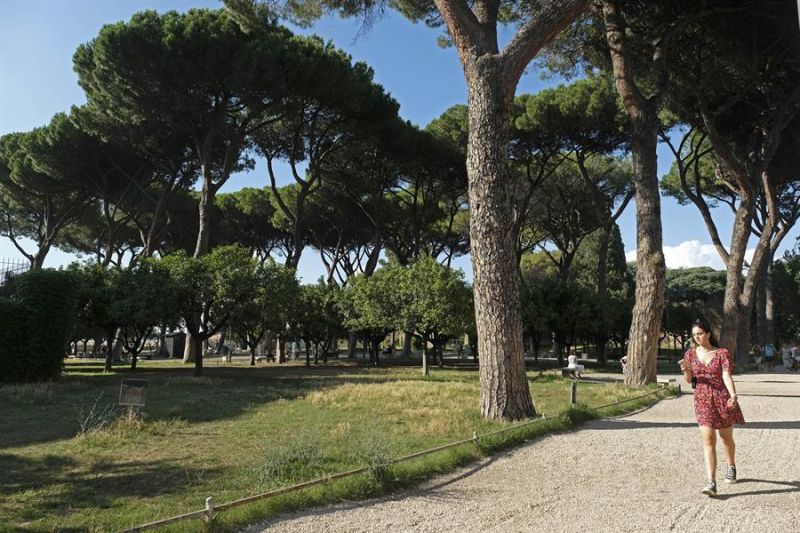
37, 314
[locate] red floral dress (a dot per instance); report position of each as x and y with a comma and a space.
710, 396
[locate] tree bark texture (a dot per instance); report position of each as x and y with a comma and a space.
204, 214
651, 270
645, 331
735, 312
761, 309
492, 77
769, 305
504, 386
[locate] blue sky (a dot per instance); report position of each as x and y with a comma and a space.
38, 38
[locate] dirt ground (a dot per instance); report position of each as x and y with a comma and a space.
640, 472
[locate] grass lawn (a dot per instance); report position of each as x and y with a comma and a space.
239, 431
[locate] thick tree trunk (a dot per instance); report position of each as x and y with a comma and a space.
504, 386
735, 314
38, 260
204, 213
761, 309
650, 266
765, 307
769, 306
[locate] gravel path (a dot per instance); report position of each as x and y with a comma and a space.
641, 472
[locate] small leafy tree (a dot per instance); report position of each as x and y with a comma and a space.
142, 303
207, 290
436, 305
272, 299
371, 305
98, 292
318, 320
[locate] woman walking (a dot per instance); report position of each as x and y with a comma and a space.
710, 370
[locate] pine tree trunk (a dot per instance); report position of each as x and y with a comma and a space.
735, 315
761, 308
650, 267
645, 331
504, 385
204, 214
769, 306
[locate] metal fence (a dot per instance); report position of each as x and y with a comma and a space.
211, 510
12, 267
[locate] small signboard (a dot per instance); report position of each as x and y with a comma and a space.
133, 392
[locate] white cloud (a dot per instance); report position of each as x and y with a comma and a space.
692, 254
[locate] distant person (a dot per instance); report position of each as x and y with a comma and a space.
796, 355
572, 364
769, 356
787, 356
709, 369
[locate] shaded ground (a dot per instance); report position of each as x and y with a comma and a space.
641, 472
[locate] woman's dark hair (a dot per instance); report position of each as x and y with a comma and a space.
702, 324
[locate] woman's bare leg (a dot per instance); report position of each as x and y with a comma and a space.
709, 437
728, 445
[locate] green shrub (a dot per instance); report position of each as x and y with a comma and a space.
292, 460
37, 313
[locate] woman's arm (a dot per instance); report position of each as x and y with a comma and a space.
686, 368
729, 384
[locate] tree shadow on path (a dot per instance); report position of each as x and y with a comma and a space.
794, 486
637, 424
773, 395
